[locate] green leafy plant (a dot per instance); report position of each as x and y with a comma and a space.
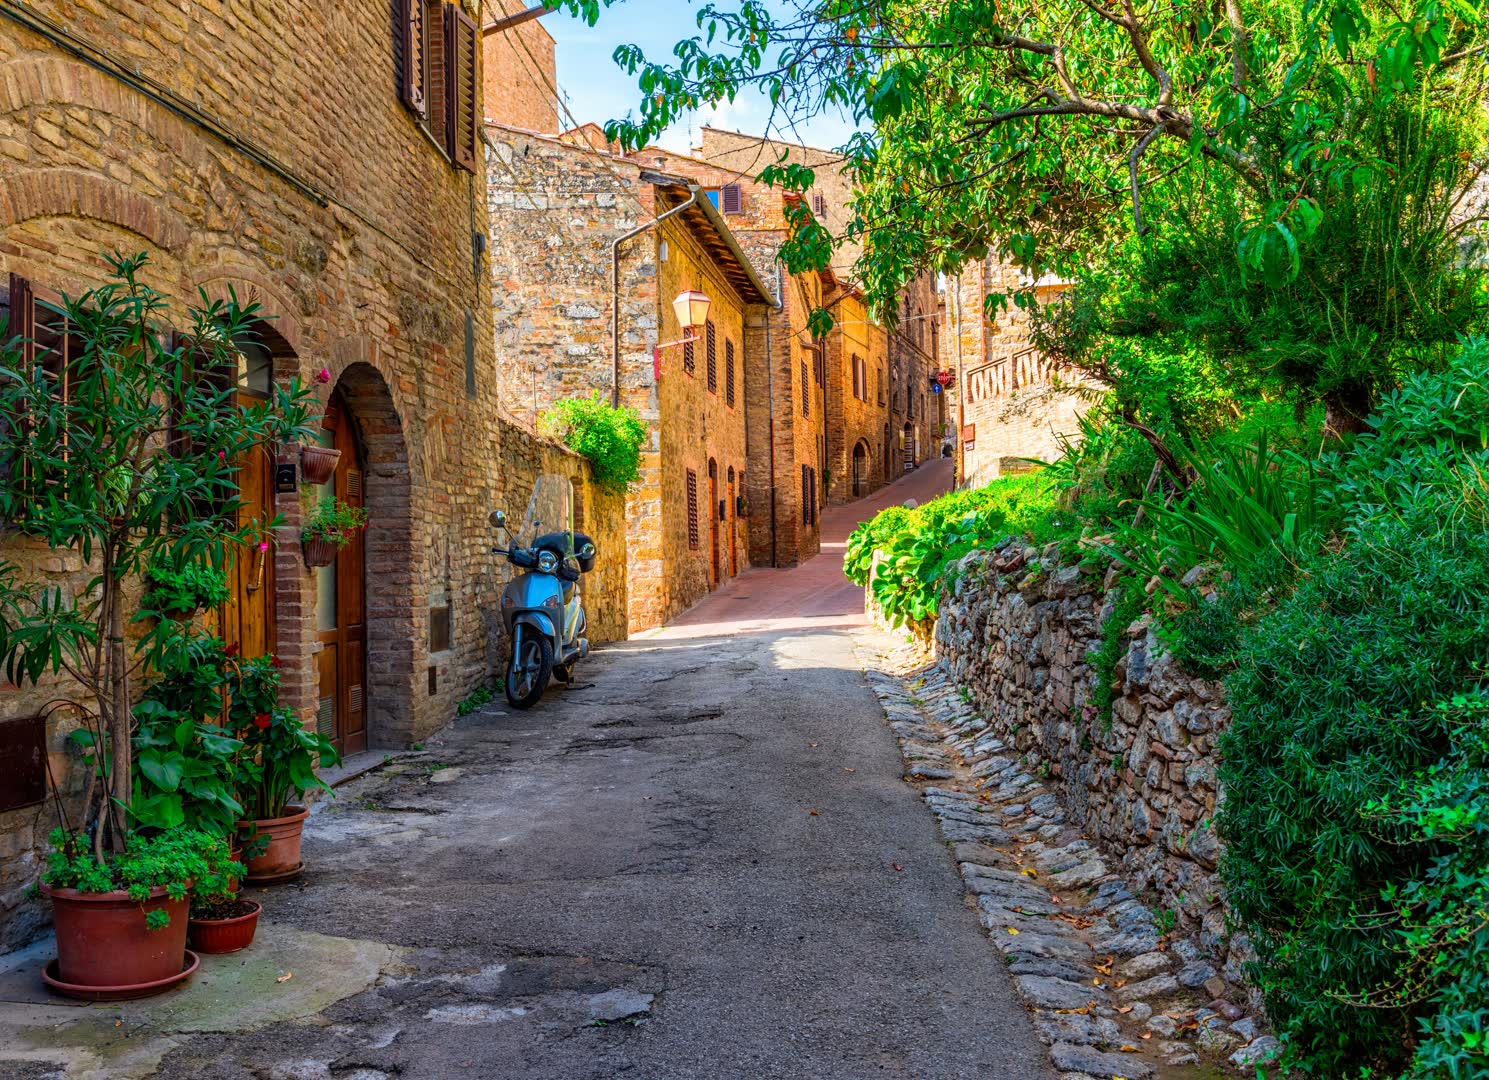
916, 548
333, 520
609, 437
280, 754
186, 762
184, 586
481, 695
135, 460
176, 860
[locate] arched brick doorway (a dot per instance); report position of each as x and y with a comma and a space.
860, 469
365, 416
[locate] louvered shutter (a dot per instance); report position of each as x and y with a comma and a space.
819, 206
413, 18
49, 346
437, 81
733, 199
693, 529
711, 347
729, 373
463, 107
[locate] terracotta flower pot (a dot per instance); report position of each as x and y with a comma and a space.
104, 944
318, 463
282, 859
225, 935
320, 551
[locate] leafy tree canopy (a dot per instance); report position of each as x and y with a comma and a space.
1317, 156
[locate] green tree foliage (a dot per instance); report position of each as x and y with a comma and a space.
133, 467
610, 437
1295, 173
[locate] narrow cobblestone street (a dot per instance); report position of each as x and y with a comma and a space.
702, 861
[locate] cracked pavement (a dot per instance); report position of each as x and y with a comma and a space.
701, 862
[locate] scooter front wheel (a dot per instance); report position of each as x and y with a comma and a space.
530, 669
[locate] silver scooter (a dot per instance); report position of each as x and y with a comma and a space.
541, 607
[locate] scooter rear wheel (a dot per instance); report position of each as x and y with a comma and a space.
530, 668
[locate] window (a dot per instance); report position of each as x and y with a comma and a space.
692, 509
729, 373
806, 494
733, 199
689, 359
819, 205
51, 346
715, 196
806, 391
860, 378
710, 346
879, 385
439, 43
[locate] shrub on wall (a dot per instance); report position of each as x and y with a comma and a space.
609, 437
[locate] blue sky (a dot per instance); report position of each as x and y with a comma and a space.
596, 90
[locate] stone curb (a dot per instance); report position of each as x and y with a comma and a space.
1107, 994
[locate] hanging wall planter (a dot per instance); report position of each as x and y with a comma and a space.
318, 463
320, 551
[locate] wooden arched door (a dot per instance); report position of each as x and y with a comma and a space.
340, 599
247, 620
713, 523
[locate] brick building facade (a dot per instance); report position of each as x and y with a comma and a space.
583, 285
1008, 401
191, 142
862, 452
531, 101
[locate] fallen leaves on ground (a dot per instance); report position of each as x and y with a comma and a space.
1011, 931
286, 977
897, 866
846, 769
815, 813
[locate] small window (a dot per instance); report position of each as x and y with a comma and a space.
729, 373
733, 199
710, 345
714, 196
819, 205
258, 368
693, 533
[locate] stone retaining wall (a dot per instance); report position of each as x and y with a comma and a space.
1018, 632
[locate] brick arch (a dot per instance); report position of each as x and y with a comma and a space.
54, 80
276, 313
394, 623
68, 192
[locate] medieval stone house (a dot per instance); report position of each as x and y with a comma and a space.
590, 253
357, 224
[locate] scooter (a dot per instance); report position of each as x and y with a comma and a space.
541, 607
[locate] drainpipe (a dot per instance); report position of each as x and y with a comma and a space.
615, 286
535, 12
961, 391
770, 396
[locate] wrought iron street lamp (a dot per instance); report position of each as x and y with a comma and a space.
691, 308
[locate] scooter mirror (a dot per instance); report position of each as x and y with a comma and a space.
587, 551
499, 519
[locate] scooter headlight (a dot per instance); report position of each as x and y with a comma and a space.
547, 561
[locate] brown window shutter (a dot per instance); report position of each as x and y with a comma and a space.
413, 17
693, 530
729, 373
463, 108
437, 83
733, 199
711, 348
13, 459
819, 206
806, 391
689, 359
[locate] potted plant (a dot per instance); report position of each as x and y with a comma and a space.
181, 587
318, 463
277, 768
135, 465
121, 922
221, 921
328, 528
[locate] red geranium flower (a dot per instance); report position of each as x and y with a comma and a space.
276, 662
263, 720
232, 650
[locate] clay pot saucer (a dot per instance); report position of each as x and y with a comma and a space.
120, 993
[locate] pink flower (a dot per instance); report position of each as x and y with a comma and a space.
323, 375
263, 545
222, 455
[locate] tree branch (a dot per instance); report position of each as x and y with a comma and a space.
1132, 162
1145, 55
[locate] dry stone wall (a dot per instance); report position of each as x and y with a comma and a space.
1019, 630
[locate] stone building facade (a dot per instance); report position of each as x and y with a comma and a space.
584, 276
862, 451
915, 409
1008, 401
191, 143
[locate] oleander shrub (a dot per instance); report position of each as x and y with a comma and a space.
610, 437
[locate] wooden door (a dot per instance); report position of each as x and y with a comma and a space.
340, 603
247, 620
713, 523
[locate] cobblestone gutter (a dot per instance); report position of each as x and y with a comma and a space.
1112, 995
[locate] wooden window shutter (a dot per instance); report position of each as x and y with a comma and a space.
806, 391
49, 345
413, 18
463, 106
733, 199
437, 81
693, 530
711, 348
729, 373
689, 358
819, 206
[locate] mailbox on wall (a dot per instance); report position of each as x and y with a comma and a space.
23, 762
